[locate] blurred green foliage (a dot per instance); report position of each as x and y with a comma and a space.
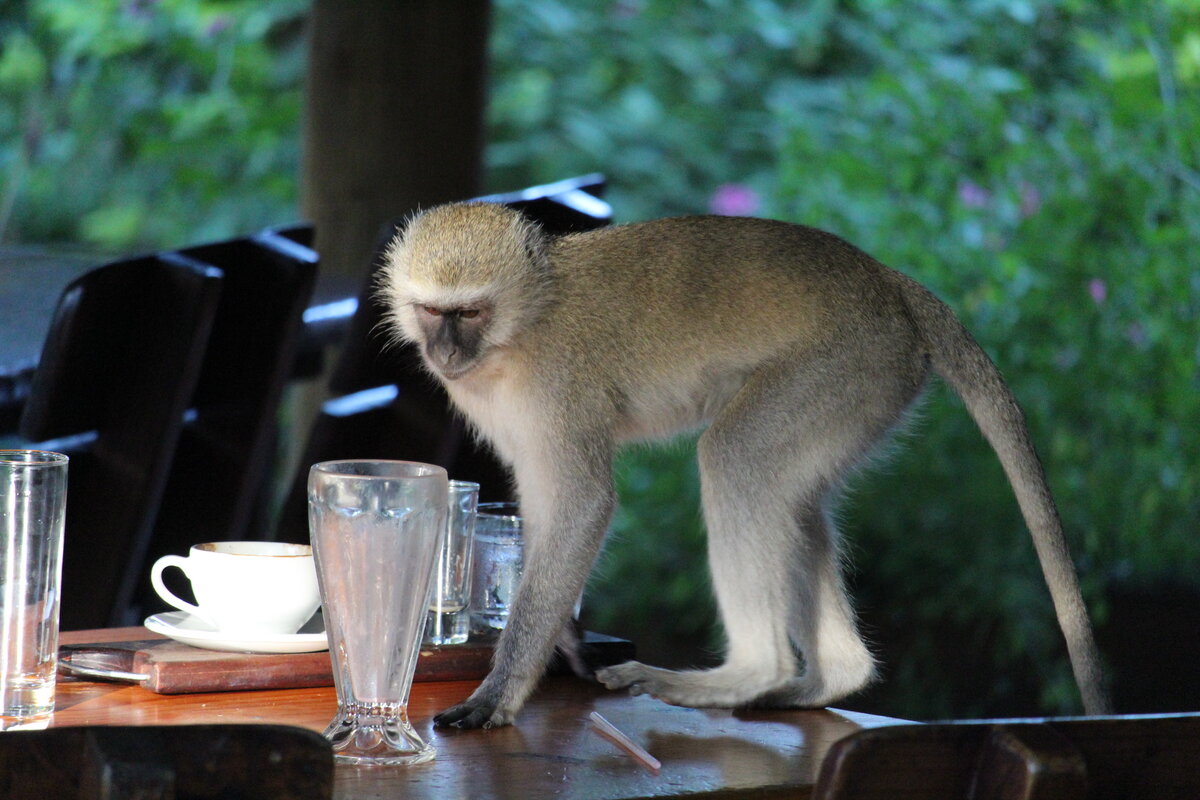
148, 123
1037, 164
1033, 161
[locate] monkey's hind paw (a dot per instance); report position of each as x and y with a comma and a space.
632, 675
469, 715
721, 687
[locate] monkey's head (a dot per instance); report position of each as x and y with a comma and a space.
463, 280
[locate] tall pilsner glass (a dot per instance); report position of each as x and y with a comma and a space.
375, 528
33, 495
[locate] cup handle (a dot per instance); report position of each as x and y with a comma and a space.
166, 594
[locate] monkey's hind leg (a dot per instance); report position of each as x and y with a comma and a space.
751, 579
768, 465
778, 584
822, 626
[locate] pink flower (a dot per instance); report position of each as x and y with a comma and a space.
219, 25
1031, 200
1098, 289
140, 9
1136, 335
733, 200
972, 195
624, 9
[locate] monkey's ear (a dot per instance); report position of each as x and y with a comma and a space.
534, 249
389, 255
400, 230
534, 240
402, 225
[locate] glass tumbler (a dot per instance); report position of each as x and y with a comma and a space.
33, 495
375, 528
449, 618
499, 558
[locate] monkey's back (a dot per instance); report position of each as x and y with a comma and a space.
713, 272
742, 291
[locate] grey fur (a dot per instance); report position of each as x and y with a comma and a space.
797, 351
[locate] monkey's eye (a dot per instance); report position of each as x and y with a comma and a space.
431, 311
469, 313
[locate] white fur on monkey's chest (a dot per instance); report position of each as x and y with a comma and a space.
493, 404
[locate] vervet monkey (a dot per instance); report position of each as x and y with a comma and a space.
797, 350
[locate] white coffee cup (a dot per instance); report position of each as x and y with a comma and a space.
246, 588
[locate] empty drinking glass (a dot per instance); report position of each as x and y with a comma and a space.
33, 495
449, 618
375, 528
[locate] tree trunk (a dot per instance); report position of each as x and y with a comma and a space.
394, 118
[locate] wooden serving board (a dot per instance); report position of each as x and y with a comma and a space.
172, 667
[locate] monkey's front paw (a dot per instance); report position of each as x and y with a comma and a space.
473, 714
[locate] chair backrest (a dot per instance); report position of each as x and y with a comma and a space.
1102, 758
117, 371
219, 481
385, 405
266, 762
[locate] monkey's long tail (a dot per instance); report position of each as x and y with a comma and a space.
962, 363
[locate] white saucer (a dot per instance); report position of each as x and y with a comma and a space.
183, 627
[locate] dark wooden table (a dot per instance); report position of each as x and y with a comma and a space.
552, 751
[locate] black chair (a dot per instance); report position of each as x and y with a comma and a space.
1101, 758
219, 482
185, 762
117, 371
385, 406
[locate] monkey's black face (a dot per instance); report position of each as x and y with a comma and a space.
453, 338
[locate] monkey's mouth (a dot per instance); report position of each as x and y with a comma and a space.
447, 362
453, 372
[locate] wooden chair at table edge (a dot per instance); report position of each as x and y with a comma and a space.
178, 477
266, 762
218, 488
1103, 758
116, 373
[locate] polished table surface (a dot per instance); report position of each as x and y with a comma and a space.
552, 750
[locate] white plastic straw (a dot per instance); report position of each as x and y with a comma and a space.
612, 733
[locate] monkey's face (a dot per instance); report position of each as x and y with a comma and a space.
464, 281
453, 339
